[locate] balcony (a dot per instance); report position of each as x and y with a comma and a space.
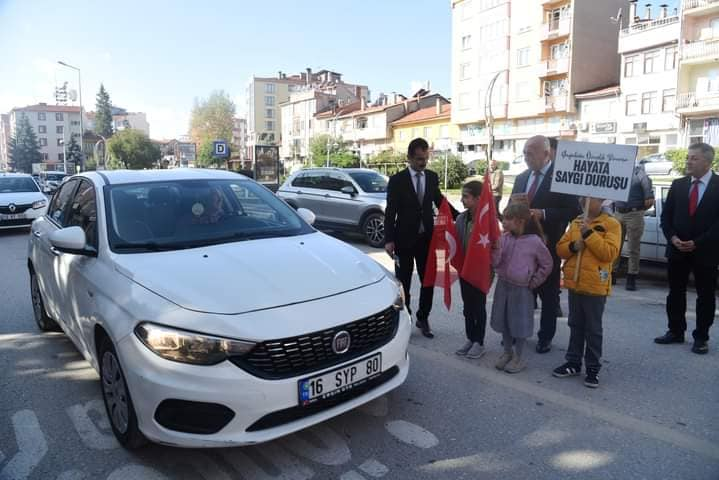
692, 8
554, 66
703, 51
693, 102
555, 103
556, 29
647, 35
551, 3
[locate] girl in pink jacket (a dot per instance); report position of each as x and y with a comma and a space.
521, 262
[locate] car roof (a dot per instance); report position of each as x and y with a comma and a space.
336, 169
117, 177
13, 174
55, 172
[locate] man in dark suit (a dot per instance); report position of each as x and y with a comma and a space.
690, 221
553, 211
409, 222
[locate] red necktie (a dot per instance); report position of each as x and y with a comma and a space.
533, 187
694, 198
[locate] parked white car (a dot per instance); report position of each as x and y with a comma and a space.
657, 164
653, 243
21, 200
213, 312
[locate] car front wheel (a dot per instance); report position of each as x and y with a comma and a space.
43, 320
117, 399
373, 229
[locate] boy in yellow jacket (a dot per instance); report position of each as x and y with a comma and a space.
591, 245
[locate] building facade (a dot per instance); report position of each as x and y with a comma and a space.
4, 141
122, 120
698, 82
599, 112
431, 123
239, 139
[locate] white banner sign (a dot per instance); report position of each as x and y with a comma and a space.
598, 170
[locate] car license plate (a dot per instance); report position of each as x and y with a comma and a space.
339, 380
16, 216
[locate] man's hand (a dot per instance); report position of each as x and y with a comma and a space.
389, 248
648, 203
683, 246
538, 214
578, 245
689, 246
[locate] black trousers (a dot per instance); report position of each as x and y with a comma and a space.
475, 311
705, 279
408, 258
497, 199
549, 294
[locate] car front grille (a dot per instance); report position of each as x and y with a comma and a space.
5, 209
294, 356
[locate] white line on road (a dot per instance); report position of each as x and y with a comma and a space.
72, 475
411, 434
288, 466
333, 450
352, 475
373, 468
89, 433
31, 444
657, 432
136, 472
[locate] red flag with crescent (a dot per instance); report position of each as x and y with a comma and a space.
445, 257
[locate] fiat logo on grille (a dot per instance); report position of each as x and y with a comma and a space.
341, 342
11, 207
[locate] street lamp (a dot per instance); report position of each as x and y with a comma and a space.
82, 130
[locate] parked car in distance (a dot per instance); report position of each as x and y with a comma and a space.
653, 243
214, 314
21, 200
657, 164
344, 199
516, 166
49, 180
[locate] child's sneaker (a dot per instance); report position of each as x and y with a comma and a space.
591, 380
515, 366
465, 348
503, 360
477, 351
567, 370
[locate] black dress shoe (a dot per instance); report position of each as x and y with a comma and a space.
423, 325
669, 337
427, 332
631, 282
543, 347
700, 347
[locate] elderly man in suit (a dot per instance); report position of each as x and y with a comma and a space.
553, 211
690, 221
409, 222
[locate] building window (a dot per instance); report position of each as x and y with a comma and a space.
75, 123
668, 98
670, 58
523, 57
714, 25
464, 71
414, 133
671, 139
60, 142
61, 157
362, 123
269, 101
41, 116
559, 50
58, 117
444, 131
43, 141
401, 134
427, 133
466, 42
59, 129
649, 101
269, 125
651, 60
632, 104
45, 157
270, 113
42, 129
270, 88
629, 65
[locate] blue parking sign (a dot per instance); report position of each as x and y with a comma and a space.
219, 149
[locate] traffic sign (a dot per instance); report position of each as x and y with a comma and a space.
219, 149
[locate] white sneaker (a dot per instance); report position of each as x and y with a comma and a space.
515, 366
503, 360
477, 351
465, 348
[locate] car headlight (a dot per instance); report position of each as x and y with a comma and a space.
39, 204
399, 301
189, 347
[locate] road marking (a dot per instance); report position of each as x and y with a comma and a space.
411, 434
581, 460
378, 407
334, 450
544, 438
31, 444
136, 472
352, 475
285, 465
72, 475
485, 462
373, 468
89, 433
590, 410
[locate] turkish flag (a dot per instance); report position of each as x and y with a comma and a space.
445, 254
477, 267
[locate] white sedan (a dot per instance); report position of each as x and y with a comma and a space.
213, 312
21, 200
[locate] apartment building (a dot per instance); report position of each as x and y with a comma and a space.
649, 65
431, 123
697, 102
4, 141
599, 112
239, 140
554, 49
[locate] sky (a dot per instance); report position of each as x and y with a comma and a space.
157, 56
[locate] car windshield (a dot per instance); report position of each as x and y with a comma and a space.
55, 177
192, 213
17, 184
370, 182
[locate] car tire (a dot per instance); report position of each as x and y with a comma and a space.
373, 229
116, 396
43, 320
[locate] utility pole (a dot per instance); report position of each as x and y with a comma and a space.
489, 118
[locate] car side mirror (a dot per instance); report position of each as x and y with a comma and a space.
307, 215
71, 240
349, 190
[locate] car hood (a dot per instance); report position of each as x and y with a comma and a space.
20, 198
247, 276
382, 196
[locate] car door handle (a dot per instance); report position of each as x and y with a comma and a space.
299, 192
327, 195
37, 234
55, 251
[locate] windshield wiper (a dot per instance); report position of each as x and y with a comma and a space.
151, 246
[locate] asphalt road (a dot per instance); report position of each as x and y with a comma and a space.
654, 416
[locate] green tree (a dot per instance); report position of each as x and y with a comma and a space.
24, 149
678, 157
340, 155
457, 171
212, 119
103, 113
205, 157
388, 162
74, 153
133, 150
